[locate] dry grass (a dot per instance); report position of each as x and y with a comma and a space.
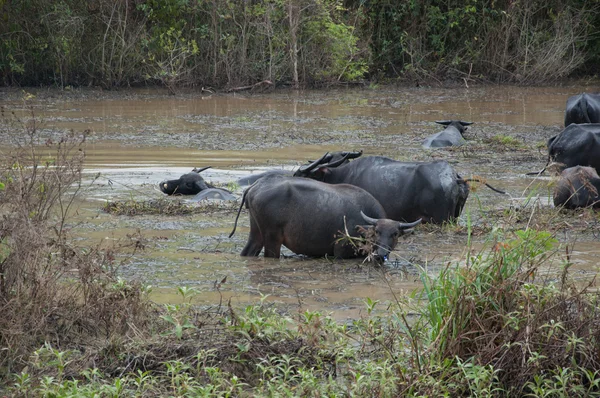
51, 290
168, 206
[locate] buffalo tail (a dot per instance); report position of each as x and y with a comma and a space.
239, 210
486, 184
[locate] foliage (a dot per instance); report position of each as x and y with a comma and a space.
224, 43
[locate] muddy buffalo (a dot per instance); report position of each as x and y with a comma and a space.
308, 217
408, 191
193, 184
577, 187
583, 108
332, 157
576, 145
452, 135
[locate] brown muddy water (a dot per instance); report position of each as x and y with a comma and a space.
141, 137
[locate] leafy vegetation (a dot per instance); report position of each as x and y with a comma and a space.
228, 44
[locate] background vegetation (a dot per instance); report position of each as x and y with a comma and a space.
231, 44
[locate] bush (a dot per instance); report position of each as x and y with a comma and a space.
51, 290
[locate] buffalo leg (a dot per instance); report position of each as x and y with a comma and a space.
255, 241
273, 244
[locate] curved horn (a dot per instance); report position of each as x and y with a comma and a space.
409, 225
338, 162
465, 123
444, 122
368, 219
195, 170
314, 164
353, 155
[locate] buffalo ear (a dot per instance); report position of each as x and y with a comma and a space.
201, 185
323, 170
551, 140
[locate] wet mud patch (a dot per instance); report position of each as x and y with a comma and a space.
140, 138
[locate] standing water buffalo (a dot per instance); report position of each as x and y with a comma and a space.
577, 187
193, 184
332, 157
576, 145
452, 135
408, 191
583, 108
308, 216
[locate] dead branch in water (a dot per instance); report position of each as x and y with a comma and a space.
265, 83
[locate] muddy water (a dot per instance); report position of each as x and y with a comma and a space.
141, 137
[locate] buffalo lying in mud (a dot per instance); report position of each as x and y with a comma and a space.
332, 157
583, 108
452, 135
576, 145
408, 191
577, 187
193, 184
308, 217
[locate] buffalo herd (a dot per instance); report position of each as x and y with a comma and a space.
325, 205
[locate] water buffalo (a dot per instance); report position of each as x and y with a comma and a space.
193, 184
583, 108
331, 157
576, 145
408, 191
452, 135
308, 216
577, 187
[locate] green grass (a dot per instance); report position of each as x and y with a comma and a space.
487, 326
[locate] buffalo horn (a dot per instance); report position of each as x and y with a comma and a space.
466, 123
368, 219
409, 225
353, 155
200, 170
340, 161
314, 164
444, 122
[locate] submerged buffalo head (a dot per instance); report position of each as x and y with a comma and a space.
188, 184
384, 233
457, 124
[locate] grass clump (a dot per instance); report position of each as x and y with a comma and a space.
506, 141
167, 206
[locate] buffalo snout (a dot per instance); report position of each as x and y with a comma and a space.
385, 233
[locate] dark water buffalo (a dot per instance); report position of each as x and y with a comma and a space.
583, 108
331, 157
193, 184
308, 216
577, 187
408, 191
576, 145
452, 135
